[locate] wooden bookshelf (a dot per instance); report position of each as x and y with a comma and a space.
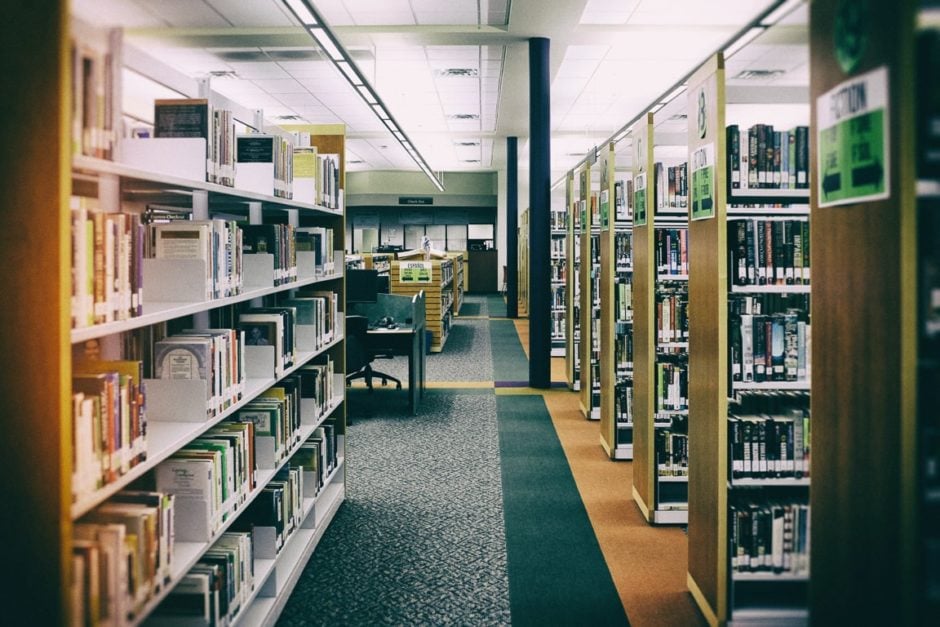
872, 437
459, 282
616, 436
728, 405
644, 320
573, 282
560, 283
522, 287
41, 178
589, 389
435, 278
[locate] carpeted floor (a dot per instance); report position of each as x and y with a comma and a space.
434, 500
557, 574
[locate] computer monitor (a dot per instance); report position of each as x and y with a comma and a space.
362, 286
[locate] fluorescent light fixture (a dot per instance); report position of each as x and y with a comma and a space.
744, 40
781, 11
351, 75
301, 12
366, 94
317, 27
326, 42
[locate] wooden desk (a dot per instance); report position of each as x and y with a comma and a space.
407, 341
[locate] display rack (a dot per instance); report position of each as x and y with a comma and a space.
435, 278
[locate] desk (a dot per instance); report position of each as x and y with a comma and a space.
407, 341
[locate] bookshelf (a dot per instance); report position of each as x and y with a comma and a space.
573, 293
522, 287
380, 262
589, 293
459, 282
661, 343
616, 313
435, 278
749, 296
559, 278
48, 514
886, 410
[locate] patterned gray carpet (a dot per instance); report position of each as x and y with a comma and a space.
467, 354
420, 540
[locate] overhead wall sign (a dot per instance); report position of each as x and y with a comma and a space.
852, 160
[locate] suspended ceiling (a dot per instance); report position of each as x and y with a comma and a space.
455, 72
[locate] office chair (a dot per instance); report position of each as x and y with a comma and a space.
359, 355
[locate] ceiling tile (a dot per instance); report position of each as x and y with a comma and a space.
430, 18
281, 86
251, 14
256, 71
577, 68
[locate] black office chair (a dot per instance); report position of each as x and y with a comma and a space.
359, 356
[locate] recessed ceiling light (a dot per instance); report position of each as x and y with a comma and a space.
751, 75
465, 72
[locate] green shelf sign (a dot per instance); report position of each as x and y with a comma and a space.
414, 272
639, 200
703, 183
853, 162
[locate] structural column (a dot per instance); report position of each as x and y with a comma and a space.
540, 341
512, 227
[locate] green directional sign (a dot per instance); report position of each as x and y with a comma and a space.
414, 271
852, 160
605, 209
703, 183
639, 200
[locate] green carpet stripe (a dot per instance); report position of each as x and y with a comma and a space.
496, 306
509, 360
557, 573
470, 309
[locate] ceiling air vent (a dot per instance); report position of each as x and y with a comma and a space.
223, 74
459, 72
467, 143
288, 117
464, 116
756, 75
471, 160
678, 116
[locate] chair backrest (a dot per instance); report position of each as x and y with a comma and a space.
356, 355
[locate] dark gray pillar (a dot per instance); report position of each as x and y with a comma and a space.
512, 227
540, 340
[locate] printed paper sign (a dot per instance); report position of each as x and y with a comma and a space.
852, 159
605, 210
414, 271
703, 182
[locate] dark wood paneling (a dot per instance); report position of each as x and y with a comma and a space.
35, 387
862, 260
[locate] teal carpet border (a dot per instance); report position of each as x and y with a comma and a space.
496, 306
509, 360
557, 573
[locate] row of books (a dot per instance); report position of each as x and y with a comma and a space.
623, 351
107, 264
623, 200
278, 240
211, 478
672, 316
219, 243
760, 157
671, 186
272, 158
623, 249
559, 270
558, 297
197, 118
672, 453
557, 248
672, 251
770, 536
623, 402
623, 300
672, 386
217, 587
558, 325
122, 554
316, 174
92, 88
774, 347
109, 423
769, 251
215, 356
558, 219
769, 446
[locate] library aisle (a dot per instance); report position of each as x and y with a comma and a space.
492, 506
